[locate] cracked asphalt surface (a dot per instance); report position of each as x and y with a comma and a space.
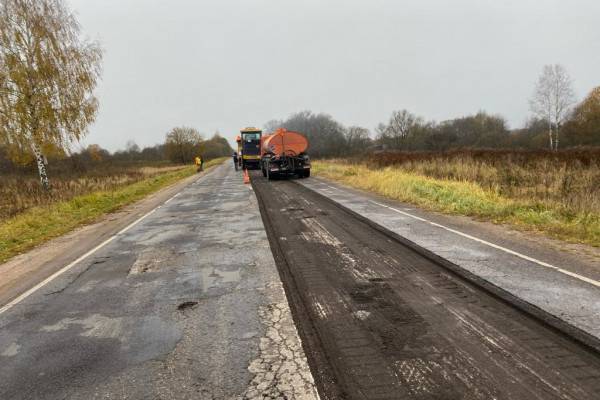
187, 304
381, 321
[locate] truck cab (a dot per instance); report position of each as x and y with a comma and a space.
250, 147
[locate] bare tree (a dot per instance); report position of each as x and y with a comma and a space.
400, 126
182, 144
357, 139
132, 147
272, 125
47, 75
325, 135
552, 99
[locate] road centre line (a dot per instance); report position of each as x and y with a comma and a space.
58, 273
504, 249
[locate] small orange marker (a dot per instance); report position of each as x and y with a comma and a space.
246, 176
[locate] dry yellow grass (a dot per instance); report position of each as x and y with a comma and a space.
19, 193
476, 190
39, 223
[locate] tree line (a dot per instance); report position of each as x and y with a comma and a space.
556, 119
181, 146
48, 73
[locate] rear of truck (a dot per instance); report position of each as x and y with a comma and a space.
285, 153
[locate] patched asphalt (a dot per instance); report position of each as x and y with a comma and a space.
186, 304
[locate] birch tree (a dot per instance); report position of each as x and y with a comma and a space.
552, 99
47, 76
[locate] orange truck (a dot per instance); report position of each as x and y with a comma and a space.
284, 153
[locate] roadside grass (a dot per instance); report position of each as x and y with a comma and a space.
463, 197
42, 223
20, 191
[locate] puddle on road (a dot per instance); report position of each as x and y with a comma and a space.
213, 277
11, 350
96, 325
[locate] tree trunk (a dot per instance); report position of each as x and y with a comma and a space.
39, 157
550, 137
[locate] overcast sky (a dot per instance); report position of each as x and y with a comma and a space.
226, 64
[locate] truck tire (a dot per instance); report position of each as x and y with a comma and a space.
306, 173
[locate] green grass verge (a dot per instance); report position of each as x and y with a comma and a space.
465, 198
40, 224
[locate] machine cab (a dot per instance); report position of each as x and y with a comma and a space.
250, 147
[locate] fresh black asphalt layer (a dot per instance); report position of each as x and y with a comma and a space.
392, 324
536, 271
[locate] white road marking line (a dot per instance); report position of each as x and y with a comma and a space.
58, 273
172, 197
504, 249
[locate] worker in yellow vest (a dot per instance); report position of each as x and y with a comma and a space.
198, 160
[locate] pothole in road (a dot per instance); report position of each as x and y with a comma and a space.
187, 305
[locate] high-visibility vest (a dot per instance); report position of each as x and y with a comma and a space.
198, 160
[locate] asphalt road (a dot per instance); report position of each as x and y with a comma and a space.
380, 321
551, 276
26, 270
185, 304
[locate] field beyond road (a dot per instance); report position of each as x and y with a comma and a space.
74, 202
554, 194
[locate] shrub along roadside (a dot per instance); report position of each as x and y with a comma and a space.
40, 224
466, 198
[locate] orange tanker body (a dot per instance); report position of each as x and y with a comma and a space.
284, 153
284, 142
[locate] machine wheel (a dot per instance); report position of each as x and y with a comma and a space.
271, 175
306, 173
268, 172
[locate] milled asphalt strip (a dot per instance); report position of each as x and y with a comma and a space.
504, 249
81, 258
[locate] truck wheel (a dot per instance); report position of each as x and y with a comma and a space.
306, 173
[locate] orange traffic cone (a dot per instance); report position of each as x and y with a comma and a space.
246, 176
